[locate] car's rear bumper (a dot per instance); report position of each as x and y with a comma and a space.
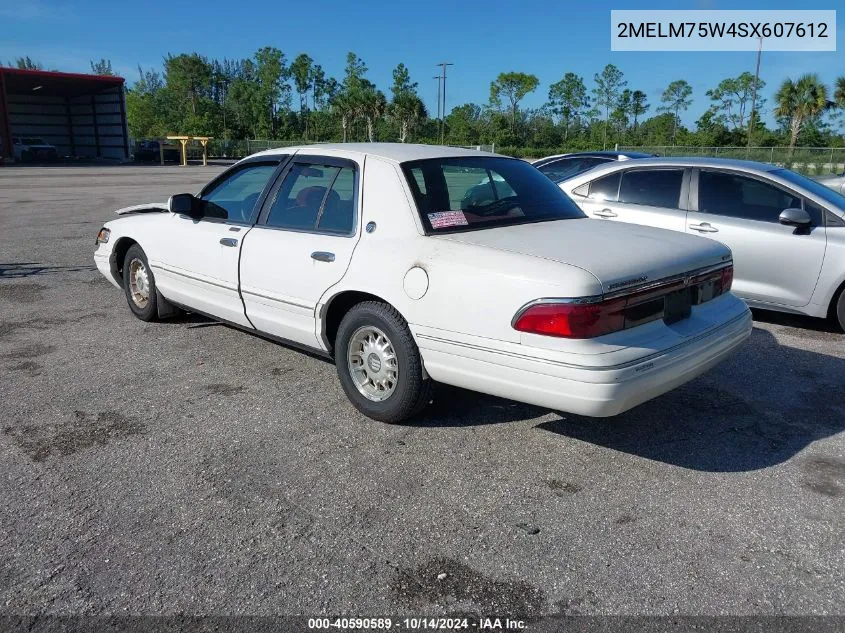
564, 384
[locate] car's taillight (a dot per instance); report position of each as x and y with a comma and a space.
727, 278
573, 320
593, 316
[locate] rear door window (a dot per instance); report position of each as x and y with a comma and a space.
315, 197
605, 189
652, 187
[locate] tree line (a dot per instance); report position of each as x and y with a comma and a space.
268, 96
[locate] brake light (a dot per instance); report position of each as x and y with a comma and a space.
573, 320
591, 317
727, 278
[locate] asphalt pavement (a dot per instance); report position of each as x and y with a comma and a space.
186, 467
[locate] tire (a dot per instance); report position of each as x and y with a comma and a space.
139, 284
389, 360
839, 310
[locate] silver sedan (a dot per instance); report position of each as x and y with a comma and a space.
787, 232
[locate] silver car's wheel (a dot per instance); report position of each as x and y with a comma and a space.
139, 283
372, 363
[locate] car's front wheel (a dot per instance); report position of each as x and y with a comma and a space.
139, 284
379, 364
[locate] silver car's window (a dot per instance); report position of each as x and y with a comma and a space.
817, 188
567, 168
722, 193
605, 189
653, 187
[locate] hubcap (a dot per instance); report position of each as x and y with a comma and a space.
139, 283
372, 363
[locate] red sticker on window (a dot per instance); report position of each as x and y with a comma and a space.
443, 219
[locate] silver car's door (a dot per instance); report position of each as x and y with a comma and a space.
653, 196
773, 263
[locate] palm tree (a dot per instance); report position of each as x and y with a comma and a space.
406, 109
373, 105
839, 92
799, 101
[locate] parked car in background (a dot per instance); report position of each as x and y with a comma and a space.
786, 231
30, 148
150, 150
837, 183
562, 166
372, 254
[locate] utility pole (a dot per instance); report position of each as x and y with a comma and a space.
754, 97
438, 78
443, 124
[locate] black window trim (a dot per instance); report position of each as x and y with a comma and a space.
279, 160
311, 159
751, 176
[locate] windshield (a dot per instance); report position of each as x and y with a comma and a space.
817, 188
33, 141
478, 192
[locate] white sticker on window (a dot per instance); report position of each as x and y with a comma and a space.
443, 219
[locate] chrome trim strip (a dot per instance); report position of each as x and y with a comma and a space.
174, 271
625, 365
649, 285
263, 296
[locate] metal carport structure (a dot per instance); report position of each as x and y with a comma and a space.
83, 116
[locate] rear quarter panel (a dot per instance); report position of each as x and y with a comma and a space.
471, 289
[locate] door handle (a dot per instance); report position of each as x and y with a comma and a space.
605, 213
322, 256
228, 241
704, 227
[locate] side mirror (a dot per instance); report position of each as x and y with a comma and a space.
186, 204
795, 217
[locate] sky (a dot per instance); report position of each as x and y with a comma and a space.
482, 39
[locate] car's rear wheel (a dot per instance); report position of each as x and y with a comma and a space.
139, 284
839, 310
379, 364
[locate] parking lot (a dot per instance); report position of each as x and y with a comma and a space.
187, 467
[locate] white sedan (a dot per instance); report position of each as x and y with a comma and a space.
374, 254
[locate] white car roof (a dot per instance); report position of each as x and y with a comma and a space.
396, 152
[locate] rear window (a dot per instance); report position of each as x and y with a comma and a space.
467, 193
652, 187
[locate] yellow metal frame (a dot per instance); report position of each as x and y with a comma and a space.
183, 141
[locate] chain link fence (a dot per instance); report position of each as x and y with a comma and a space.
812, 161
232, 149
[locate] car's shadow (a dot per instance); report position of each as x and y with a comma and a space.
757, 409
796, 320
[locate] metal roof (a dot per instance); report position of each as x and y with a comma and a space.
46, 82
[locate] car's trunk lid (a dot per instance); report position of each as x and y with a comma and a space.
619, 255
